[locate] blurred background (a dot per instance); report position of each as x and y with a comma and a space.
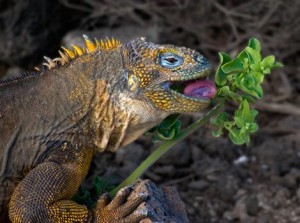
219, 182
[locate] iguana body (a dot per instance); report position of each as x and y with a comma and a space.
98, 98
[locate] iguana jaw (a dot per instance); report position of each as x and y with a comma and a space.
196, 88
184, 93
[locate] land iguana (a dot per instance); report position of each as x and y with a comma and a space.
90, 99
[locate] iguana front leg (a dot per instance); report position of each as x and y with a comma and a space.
44, 195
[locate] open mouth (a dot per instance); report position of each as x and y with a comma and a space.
197, 89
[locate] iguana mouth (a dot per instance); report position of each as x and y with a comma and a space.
197, 89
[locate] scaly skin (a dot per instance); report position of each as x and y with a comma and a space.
99, 98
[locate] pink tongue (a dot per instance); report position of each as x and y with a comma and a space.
200, 89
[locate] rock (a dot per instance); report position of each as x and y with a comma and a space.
124, 34
179, 155
132, 153
164, 204
279, 154
13, 72
298, 194
169, 170
252, 205
199, 185
289, 181
196, 153
290, 122
30, 29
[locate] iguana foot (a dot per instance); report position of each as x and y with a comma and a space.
119, 210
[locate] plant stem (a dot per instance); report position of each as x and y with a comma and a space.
164, 147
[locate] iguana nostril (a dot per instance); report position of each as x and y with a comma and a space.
199, 58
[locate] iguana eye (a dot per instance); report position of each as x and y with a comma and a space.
170, 60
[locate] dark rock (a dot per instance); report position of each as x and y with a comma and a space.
179, 155
290, 122
252, 205
30, 29
279, 154
13, 72
123, 34
196, 153
133, 153
198, 185
164, 204
289, 181
166, 170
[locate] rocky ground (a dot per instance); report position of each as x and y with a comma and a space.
218, 181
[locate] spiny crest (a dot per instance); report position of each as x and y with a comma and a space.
91, 46
23, 77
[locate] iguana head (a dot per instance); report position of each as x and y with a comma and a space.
138, 84
169, 78
172, 79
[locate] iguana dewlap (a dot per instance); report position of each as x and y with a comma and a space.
88, 100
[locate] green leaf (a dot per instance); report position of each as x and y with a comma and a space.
255, 67
83, 196
224, 58
223, 117
259, 77
254, 113
267, 62
254, 44
247, 139
169, 121
277, 65
243, 55
220, 77
150, 131
245, 111
156, 139
235, 65
167, 129
166, 134
250, 83
226, 92
235, 137
266, 71
220, 120
245, 80
229, 125
100, 185
248, 97
254, 55
259, 91
177, 127
250, 91
239, 122
244, 136
217, 132
252, 127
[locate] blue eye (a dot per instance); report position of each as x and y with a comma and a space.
170, 60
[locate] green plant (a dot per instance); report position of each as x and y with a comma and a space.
90, 197
238, 80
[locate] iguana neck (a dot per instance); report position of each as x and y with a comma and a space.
116, 118
93, 90
108, 126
